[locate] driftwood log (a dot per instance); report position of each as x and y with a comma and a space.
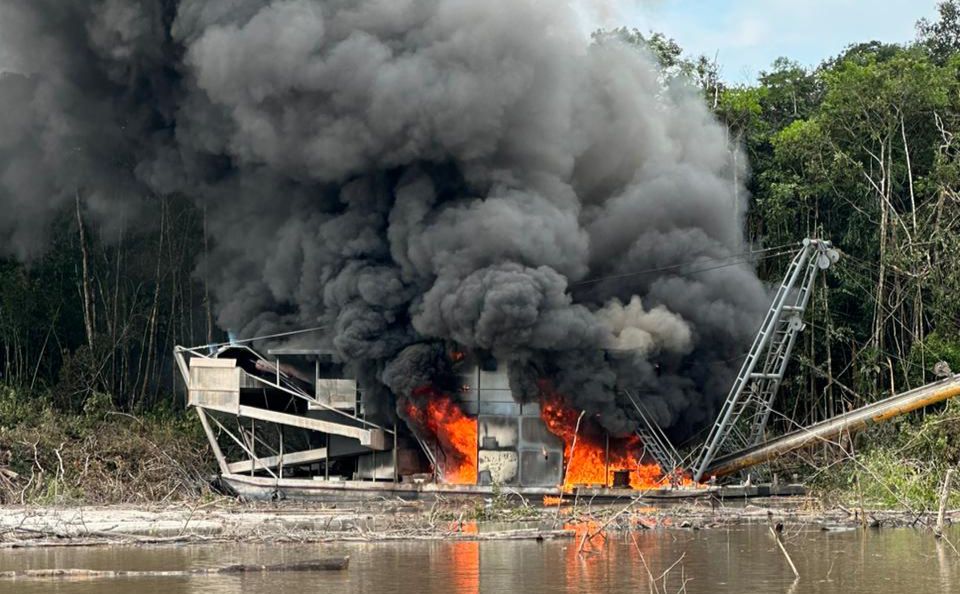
326, 564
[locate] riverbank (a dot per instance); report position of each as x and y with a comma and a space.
98, 455
222, 521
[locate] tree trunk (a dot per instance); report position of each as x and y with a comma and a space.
89, 313
154, 309
206, 284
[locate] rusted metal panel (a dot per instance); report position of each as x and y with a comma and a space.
374, 466
541, 468
499, 466
493, 380
503, 430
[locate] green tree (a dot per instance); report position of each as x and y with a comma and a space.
941, 38
670, 57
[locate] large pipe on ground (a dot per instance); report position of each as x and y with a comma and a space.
878, 412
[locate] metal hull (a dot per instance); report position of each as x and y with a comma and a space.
267, 488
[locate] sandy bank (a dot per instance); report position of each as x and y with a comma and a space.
227, 521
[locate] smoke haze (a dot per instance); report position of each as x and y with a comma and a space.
412, 174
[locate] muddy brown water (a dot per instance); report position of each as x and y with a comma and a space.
740, 560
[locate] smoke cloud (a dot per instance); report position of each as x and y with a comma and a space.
412, 174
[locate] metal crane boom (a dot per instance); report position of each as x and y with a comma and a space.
743, 418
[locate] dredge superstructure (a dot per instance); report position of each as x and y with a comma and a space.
292, 424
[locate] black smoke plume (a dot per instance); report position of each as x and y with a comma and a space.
405, 172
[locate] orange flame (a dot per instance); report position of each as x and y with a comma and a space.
587, 462
454, 433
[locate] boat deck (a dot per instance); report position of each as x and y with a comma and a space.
318, 489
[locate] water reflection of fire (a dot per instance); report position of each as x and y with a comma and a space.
466, 563
588, 535
438, 418
590, 462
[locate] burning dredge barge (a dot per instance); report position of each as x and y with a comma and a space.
300, 430
295, 426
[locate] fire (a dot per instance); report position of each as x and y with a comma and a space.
454, 433
587, 461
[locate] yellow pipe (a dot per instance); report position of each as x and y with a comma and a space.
877, 412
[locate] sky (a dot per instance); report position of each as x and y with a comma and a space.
746, 36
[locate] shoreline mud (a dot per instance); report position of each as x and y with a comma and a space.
227, 521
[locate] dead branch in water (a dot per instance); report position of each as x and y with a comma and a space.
327, 564
566, 468
776, 536
590, 536
944, 496
941, 512
658, 585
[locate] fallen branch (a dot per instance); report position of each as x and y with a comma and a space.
566, 467
588, 536
776, 536
944, 496
328, 564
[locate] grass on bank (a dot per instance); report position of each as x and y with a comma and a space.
97, 455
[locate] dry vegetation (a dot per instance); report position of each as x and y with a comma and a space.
97, 456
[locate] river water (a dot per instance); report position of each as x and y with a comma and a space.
739, 560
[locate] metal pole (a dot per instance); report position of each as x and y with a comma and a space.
256, 461
396, 457
253, 441
606, 463
214, 444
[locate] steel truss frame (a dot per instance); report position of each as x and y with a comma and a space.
743, 419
